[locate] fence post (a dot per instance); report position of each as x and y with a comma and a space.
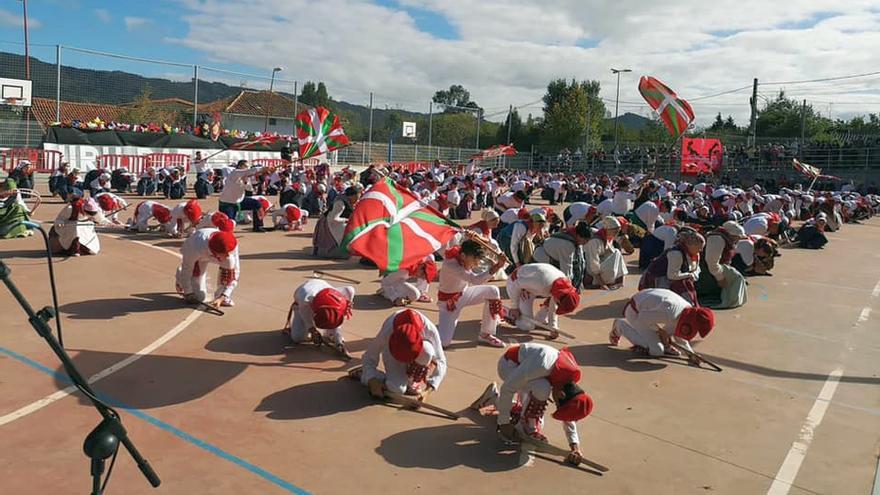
57, 83
195, 95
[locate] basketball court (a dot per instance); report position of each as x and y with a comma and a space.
218, 405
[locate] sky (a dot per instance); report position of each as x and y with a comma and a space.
504, 51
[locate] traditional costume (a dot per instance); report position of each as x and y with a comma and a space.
605, 263
319, 306
459, 288
290, 217
411, 284
720, 285
203, 247
651, 311
540, 281
147, 210
410, 350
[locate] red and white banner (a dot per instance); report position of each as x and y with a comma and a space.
701, 156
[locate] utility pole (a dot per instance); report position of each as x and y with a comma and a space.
616, 105
479, 118
753, 122
803, 128
430, 125
509, 123
269, 99
370, 134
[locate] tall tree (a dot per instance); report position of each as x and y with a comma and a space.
455, 96
322, 98
566, 107
516, 130
309, 95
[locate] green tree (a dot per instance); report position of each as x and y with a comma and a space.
455, 129
718, 125
322, 98
309, 94
566, 107
781, 117
516, 130
144, 111
455, 96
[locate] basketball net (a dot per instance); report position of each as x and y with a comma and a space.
14, 103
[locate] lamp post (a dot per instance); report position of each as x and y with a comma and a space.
269, 102
616, 104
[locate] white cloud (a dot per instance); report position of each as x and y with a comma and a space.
103, 15
132, 23
509, 49
14, 19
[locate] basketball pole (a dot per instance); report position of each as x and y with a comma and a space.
27, 74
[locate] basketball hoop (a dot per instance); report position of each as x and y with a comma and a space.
15, 103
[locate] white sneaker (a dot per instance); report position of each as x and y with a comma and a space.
491, 340
488, 396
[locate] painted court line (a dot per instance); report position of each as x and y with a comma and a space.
56, 396
787, 473
798, 451
876, 291
217, 451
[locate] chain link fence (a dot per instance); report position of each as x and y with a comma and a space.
71, 83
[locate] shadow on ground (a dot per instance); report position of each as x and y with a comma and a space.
106, 309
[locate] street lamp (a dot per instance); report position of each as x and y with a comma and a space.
616, 104
269, 102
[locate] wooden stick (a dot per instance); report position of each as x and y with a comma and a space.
413, 403
338, 277
549, 448
542, 326
207, 308
698, 356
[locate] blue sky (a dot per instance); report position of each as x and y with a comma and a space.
133, 28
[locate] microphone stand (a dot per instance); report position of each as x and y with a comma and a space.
104, 440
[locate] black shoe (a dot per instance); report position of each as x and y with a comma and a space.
260, 230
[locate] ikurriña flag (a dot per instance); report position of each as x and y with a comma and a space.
319, 131
393, 228
675, 112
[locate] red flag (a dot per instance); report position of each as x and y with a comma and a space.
495, 151
675, 112
701, 156
319, 131
265, 140
393, 228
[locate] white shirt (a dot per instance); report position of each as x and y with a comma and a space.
379, 347
578, 212
234, 187
622, 202
667, 234
454, 278
757, 224
536, 278
201, 166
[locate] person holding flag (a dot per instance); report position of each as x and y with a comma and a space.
232, 197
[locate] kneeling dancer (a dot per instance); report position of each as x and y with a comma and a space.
460, 286
318, 305
540, 280
409, 346
206, 246
654, 317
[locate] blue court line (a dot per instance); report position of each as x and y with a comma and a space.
167, 427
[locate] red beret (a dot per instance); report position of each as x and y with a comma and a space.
292, 213
405, 343
330, 308
222, 243
222, 222
694, 320
193, 210
264, 203
162, 214
565, 369
566, 296
106, 202
574, 408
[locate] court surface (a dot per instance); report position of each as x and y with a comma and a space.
219, 406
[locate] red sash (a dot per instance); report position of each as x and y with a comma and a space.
450, 298
512, 354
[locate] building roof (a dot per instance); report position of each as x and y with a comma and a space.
253, 103
43, 110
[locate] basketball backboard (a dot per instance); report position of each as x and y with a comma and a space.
409, 129
15, 92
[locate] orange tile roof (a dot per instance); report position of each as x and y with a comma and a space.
253, 103
43, 110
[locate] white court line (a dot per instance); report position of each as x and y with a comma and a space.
787, 473
55, 397
876, 291
798, 451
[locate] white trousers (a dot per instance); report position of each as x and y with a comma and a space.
612, 267
526, 306
299, 331
539, 389
392, 290
196, 284
471, 296
394, 376
639, 334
